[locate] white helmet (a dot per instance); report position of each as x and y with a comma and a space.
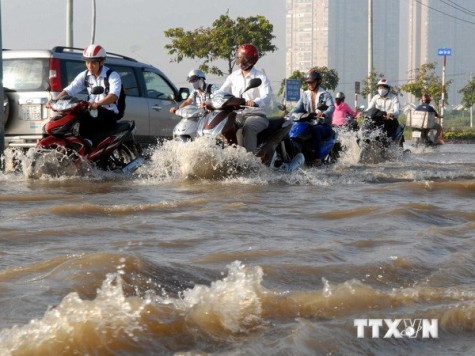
195, 74
384, 83
94, 52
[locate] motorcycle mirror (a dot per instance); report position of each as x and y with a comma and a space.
97, 90
253, 83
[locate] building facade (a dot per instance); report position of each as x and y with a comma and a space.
406, 34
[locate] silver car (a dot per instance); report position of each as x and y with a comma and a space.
32, 77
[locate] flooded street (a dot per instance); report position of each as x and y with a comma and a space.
181, 258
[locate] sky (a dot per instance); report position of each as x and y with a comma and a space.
135, 28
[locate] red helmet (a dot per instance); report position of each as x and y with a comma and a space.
94, 53
426, 98
246, 56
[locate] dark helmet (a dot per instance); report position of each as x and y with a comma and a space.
312, 76
340, 95
426, 98
247, 55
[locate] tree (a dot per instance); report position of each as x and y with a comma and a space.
220, 41
330, 78
426, 81
370, 84
468, 92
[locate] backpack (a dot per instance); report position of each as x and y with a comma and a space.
120, 101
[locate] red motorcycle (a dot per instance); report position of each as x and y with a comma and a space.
63, 151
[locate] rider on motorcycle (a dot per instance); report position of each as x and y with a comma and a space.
388, 103
426, 107
343, 114
257, 99
319, 103
105, 103
201, 91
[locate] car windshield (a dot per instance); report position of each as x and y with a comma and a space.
25, 74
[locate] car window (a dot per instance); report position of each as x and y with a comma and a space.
25, 74
129, 79
70, 71
157, 87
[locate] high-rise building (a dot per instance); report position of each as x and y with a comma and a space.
406, 34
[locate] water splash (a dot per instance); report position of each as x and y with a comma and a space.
201, 159
77, 324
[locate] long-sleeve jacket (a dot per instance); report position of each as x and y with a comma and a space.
322, 97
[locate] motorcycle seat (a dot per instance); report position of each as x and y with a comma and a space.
120, 126
124, 126
274, 125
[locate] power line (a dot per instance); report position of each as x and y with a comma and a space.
443, 13
459, 7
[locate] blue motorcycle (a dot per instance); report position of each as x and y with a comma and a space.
299, 145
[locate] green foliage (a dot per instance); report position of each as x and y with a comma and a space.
370, 83
220, 41
459, 134
468, 92
426, 81
330, 78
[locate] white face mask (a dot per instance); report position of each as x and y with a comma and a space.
198, 84
383, 92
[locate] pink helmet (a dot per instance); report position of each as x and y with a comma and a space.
94, 53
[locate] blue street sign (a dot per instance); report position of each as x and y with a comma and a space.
292, 90
444, 51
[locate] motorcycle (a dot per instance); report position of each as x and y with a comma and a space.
301, 140
187, 128
423, 128
226, 116
63, 151
375, 145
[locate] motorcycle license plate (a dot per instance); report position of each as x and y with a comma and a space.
416, 134
30, 112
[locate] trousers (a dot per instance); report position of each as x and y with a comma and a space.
247, 136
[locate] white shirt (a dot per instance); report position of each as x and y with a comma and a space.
389, 104
78, 84
236, 82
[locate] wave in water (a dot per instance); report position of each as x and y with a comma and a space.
123, 317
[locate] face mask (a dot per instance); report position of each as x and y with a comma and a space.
198, 84
383, 92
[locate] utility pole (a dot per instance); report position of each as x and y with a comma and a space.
93, 35
443, 91
370, 48
2, 129
69, 23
